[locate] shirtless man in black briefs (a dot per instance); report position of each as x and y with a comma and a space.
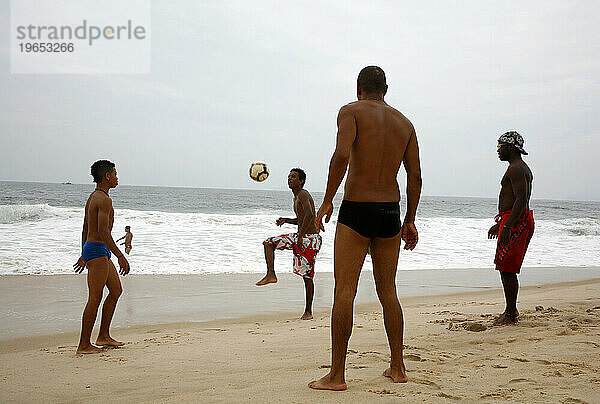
374, 139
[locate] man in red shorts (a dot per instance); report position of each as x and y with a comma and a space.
305, 244
514, 222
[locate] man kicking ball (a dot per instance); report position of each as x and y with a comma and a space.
305, 244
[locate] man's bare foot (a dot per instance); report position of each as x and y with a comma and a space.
108, 341
506, 319
325, 383
397, 375
306, 316
91, 349
266, 280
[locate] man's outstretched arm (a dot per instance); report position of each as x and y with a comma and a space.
284, 220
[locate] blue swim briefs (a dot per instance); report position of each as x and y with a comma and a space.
94, 249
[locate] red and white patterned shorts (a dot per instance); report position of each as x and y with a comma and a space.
304, 261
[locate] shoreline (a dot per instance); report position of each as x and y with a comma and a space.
16, 344
46, 305
551, 355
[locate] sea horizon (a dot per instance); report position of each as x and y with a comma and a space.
283, 189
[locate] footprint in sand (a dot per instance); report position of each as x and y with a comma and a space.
475, 327
386, 392
448, 396
357, 367
564, 331
571, 400
555, 373
215, 329
373, 354
496, 394
413, 357
113, 360
595, 345
520, 380
425, 382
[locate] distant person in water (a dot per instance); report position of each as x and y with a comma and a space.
128, 237
514, 222
305, 244
97, 244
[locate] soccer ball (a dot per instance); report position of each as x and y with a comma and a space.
259, 171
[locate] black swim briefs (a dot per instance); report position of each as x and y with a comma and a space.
371, 219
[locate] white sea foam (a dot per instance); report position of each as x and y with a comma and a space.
24, 213
41, 239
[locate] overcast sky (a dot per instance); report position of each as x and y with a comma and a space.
237, 81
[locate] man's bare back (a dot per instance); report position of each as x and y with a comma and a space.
373, 139
382, 136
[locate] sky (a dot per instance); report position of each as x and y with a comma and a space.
234, 82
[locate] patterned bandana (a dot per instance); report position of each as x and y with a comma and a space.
514, 139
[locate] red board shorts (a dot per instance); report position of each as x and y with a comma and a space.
304, 261
510, 258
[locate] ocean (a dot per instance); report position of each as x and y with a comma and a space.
211, 231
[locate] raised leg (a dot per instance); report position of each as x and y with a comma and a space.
309, 288
96, 279
384, 252
108, 309
270, 260
350, 249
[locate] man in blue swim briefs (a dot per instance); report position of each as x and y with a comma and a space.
373, 140
97, 244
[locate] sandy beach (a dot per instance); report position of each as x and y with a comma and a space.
452, 353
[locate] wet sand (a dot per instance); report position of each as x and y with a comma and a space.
452, 353
45, 305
